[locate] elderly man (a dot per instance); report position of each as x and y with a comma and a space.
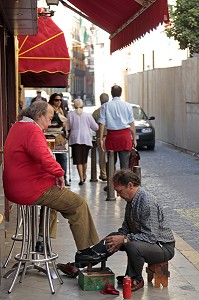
145, 235
32, 176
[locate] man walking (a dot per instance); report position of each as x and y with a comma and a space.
102, 161
38, 97
117, 117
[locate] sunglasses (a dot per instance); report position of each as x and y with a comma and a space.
56, 100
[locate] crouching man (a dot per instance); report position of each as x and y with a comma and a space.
145, 235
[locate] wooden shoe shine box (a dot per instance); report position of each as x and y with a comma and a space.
96, 279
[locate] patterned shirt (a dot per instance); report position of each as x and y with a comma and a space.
145, 220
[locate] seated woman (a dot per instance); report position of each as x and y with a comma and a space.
58, 124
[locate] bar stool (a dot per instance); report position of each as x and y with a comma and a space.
17, 237
29, 258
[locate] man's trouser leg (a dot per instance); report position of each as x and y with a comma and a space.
74, 208
139, 252
124, 159
53, 223
102, 160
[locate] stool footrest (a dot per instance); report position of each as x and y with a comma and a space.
47, 259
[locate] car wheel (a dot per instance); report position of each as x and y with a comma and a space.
152, 147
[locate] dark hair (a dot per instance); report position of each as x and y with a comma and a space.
35, 110
124, 176
116, 91
52, 98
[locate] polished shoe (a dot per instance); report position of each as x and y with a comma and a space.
84, 179
91, 257
103, 178
120, 279
69, 269
81, 182
67, 183
106, 188
40, 247
136, 285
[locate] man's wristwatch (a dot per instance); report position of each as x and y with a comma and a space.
125, 240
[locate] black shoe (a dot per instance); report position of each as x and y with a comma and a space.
120, 279
106, 188
81, 182
40, 247
66, 183
93, 256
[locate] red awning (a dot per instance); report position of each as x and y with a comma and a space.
125, 20
43, 58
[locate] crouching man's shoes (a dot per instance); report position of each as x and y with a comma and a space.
136, 285
68, 269
89, 257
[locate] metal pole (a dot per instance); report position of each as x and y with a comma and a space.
137, 171
69, 170
93, 162
111, 168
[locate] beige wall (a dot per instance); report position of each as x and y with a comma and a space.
172, 96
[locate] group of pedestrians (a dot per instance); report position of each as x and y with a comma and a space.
145, 234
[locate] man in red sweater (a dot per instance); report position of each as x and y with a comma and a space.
32, 176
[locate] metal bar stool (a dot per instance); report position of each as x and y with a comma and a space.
17, 237
28, 258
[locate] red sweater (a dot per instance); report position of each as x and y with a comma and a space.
29, 167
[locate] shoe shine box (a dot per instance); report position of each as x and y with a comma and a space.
96, 279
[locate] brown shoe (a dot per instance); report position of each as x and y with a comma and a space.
68, 269
103, 178
136, 285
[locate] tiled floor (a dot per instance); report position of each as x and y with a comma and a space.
108, 215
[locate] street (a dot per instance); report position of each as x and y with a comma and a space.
173, 177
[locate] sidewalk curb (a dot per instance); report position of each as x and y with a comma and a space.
187, 251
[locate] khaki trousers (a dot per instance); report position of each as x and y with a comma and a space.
74, 208
102, 159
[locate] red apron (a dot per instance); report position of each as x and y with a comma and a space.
119, 140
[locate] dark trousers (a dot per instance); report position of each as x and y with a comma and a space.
61, 158
123, 157
139, 252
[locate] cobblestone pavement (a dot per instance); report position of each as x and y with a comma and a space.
173, 177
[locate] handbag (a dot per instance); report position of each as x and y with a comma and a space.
134, 158
60, 140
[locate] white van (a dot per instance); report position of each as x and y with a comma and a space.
68, 98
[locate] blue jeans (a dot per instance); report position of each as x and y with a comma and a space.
61, 158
